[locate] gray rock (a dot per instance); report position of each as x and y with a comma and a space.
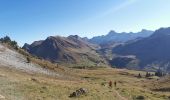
79, 92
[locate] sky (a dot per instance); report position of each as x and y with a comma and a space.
29, 20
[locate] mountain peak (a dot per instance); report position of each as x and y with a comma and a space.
144, 30
112, 32
162, 32
113, 36
74, 37
71, 49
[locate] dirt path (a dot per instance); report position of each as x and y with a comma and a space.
119, 96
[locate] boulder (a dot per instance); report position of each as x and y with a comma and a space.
79, 92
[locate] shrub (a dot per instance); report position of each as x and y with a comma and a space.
28, 60
8, 41
140, 98
5, 39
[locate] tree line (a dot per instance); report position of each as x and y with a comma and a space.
10, 42
158, 73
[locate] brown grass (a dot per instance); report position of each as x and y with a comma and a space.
18, 85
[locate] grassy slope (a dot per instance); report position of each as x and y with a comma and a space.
15, 85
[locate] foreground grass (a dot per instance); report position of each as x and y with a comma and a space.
15, 85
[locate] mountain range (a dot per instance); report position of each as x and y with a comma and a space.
113, 36
149, 52
143, 50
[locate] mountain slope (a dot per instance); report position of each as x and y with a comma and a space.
152, 51
66, 50
113, 36
14, 60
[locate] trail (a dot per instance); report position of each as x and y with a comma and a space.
120, 97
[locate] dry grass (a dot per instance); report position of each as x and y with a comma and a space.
16, 85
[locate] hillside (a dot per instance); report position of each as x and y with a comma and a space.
12, 59
150, 52
16, 85
113, 36
66, 50
39, 80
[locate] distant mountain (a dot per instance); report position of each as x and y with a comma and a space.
113, 36
143, 50
66, 50
153, 51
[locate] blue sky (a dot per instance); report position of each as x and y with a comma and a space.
30, 20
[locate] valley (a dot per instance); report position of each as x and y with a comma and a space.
27, 77
84, 50
17, 85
